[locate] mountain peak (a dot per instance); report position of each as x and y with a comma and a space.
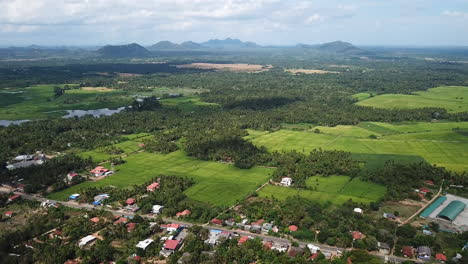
124, 51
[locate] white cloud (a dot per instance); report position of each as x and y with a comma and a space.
450, 13
315, 18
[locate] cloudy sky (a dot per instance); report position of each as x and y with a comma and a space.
364, 22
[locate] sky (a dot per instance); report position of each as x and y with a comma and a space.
266, 22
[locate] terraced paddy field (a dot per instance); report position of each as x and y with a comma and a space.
216, 183
334, 189
452, 98
437, 143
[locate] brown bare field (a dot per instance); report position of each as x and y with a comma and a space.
308, 71
238, 67
97, 89
128, 75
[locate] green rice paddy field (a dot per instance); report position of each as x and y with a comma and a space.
437, 143
334, 189
216, 183
452, 98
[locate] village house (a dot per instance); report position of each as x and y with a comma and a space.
101, 171
86, 240
171, 228
358, 210
99, 199
286, 181
293, 228
9, 214
407, 251
295, 251
130, 201
280, 247
72, 175
121, 220
383, 248
213, 237
14, 198
131, 227
424, 253
267, 227
74, 196
389, 216
243, 239
313, 248
230, 222
95, 220
157, 209
441, 257
357, 235
183, 213
216, 221
152, 187
169, 247
144, 243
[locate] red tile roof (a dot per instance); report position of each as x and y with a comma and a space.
407, 251
183, 213
315, 255
58, 232
356, 235
131, 227
259, 222
292, 228
242, 240
171, 244
268, 245
9, 213
14, 197
216, 221
99, 170
130, 201
441, 257
121, 220
429, 182
95, 219
176, 226
425, 190
137, 258
153, 186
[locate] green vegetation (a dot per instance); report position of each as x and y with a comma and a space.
434, 142
362, 96
39, 101
452, 98
215, 183
189, 103
101, 154
334, 189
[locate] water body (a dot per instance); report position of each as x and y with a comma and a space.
11, 122
72, 113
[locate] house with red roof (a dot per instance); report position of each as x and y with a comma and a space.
429, 183
259, 222
14, 198
130, 201
9, 214
314, 256
121, 220
407, 251
183, 213
152, 187
216, 221
357, 235
424, 190
441, 257
99, 171
171, 227
242, 240
95, 220
292, 228
268, 245
131, 227
171, 244
72, 175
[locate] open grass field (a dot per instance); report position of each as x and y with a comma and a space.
39, 102
436, 143
334, 189
361, 96
100, 154
187, 103
216, 183
452, 98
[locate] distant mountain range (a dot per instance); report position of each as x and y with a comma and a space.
189, 47
124, 51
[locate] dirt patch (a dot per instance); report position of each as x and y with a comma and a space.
97, 89
238, 67
128, 75
308, 71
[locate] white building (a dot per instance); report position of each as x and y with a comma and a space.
144, 243
358, 210
286, 181
313, 249
157, 209
86, 240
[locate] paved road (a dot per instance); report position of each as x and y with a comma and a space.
324, 248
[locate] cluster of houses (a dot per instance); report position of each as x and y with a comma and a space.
100, 171
23, 161
173, 241
259, 226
